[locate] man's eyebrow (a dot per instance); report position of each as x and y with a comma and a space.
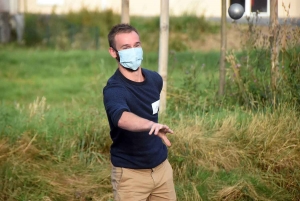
126, 45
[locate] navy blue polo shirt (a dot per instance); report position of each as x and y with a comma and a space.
136, 150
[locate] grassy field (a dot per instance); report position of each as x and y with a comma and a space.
54, 136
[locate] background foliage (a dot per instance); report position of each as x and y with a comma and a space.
89, 29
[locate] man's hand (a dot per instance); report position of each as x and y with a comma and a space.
161, 131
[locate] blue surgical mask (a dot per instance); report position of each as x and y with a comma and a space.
131, 58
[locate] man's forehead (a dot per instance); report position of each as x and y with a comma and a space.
131, 37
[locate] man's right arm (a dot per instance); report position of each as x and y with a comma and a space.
131, 122
134, 123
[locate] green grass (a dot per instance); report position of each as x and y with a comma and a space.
57, 77
57, 147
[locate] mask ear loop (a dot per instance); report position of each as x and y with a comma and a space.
118, 57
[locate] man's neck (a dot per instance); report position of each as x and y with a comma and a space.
135, 76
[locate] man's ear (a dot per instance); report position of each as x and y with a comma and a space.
112, 52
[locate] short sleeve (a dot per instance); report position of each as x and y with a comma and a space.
158, 80
115, 102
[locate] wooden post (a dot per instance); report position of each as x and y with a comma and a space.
125, 12
4, 21
222, 69
25, 6
273, 45
163, 51
20, 26
5, 27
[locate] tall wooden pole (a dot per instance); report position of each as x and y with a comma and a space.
163, 51
273, 45
125, 12
5, 29
25, 6
222, 69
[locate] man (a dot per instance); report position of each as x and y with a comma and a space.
140, 169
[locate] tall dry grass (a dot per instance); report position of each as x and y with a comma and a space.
30, 173
217, 155
266, 146
242, 156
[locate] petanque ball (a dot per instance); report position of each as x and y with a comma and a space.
236, 11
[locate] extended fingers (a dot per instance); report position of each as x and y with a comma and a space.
165, 129
161, 130
156, 128
166, 140
152, 129
170, 131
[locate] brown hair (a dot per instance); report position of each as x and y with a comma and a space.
119, 28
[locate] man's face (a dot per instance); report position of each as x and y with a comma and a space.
127, 40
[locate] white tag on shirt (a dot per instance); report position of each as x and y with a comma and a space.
155, 107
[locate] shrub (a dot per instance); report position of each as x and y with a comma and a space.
88, 30
250, 81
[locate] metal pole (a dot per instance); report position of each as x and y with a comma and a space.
163, 51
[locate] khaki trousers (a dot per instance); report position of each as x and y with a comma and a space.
155, 184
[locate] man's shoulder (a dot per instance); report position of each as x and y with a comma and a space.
145, 70
151, 73
114, 82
